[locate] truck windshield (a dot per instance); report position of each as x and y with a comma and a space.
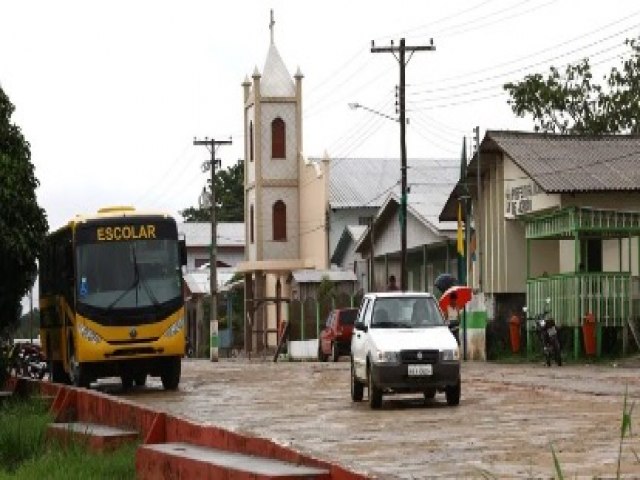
128, 274
406, 312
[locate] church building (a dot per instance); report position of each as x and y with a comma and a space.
285, 199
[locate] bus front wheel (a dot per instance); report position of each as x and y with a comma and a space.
57, 373
170, 375
79, 373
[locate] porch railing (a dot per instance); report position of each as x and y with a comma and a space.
607, 296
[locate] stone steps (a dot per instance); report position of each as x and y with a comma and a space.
97, 437
183, 460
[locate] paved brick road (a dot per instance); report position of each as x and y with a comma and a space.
508, 416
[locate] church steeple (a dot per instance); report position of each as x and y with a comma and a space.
276, 80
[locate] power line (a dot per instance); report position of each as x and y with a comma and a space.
539, 52
536, 64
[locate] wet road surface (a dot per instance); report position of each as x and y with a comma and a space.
508, 417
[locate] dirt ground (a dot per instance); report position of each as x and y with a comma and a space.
507, 420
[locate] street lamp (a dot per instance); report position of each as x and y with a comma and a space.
356, 105
403, 194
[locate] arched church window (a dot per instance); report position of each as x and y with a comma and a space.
251, 223
279, 221
278, 143
251, 141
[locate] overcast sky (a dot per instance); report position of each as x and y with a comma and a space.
110, 94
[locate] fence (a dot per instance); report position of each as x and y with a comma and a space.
308, 317
606, 295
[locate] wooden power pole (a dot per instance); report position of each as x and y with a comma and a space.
211, 145
402, 61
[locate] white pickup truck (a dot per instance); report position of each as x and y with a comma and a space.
401, 344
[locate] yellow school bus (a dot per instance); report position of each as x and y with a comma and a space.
111, 298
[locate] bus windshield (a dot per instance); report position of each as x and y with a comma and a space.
128, 274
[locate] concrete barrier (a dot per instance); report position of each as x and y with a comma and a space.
72, 404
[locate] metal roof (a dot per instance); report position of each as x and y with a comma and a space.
350, 234
198, 234
366, 182
315, 276
571, 163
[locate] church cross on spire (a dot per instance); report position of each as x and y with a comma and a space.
271, 25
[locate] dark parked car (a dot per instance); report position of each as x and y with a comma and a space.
335, 338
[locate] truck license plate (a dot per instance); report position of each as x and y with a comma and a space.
420, 370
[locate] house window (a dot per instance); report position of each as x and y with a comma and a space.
251, 141
200, 262
251, 223
278, 138
279, 221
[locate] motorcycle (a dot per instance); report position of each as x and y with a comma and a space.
548, 333
30, 362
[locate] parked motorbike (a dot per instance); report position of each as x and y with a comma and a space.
30, 362
548, 334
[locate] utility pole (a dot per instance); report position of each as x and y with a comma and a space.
211, 145
478, 215
401, 50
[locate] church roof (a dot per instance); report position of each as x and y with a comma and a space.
276, 81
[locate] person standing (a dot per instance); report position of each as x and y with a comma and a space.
452, 314
392, 285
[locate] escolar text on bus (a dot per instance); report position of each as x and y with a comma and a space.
126, 232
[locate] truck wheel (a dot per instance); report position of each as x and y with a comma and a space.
375, 393
335, 352
452, 393
170, 375
357, 387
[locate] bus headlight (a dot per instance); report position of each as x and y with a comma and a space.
88, 334
451, 355
175, 328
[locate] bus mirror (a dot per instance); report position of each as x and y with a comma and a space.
183, 252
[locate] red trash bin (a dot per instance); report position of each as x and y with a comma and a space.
514, 331
589, 334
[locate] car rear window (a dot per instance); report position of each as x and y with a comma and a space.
348, 317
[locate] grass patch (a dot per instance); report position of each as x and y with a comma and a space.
24, 453
22, 431
76, 462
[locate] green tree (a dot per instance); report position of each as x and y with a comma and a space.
229, 198
571, 102
23, 224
